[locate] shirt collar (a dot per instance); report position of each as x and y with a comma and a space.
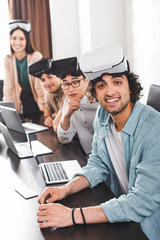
132, 121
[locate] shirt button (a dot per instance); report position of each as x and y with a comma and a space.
97, 178
100, 137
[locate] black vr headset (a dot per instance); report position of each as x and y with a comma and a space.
42, 66
65, 66
59, 67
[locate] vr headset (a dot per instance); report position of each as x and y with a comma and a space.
65, 66
22, 24
59, 67
103, 60
42, 66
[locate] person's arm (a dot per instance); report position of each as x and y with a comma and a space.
47, 117
56, 120
7, 84
57, 215
51, 194
73, 105
66, 136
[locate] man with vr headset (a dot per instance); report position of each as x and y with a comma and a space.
126, 149
77, 112
42, 69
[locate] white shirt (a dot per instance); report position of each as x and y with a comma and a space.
81, 122
115, 147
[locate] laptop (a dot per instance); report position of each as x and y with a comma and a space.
7, 104
13, 121
22, 146
59, 172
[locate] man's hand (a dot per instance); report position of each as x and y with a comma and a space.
51, 194
54, 215
73, 105
48, 121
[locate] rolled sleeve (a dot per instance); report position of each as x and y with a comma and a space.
66, 136
91, 174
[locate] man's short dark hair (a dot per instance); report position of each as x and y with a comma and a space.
73, 74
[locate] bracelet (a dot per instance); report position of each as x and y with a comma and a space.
84, 220
74, 223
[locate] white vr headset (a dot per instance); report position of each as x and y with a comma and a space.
22, 24
103, 60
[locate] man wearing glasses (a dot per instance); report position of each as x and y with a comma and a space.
77, 113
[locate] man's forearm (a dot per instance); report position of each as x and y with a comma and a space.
91, 214
76, 185
65, 124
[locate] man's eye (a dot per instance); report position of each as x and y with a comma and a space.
75, 82
100, 86
118, 82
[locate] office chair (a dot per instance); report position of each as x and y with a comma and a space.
154, 97
1, 90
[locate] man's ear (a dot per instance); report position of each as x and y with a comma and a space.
87, 80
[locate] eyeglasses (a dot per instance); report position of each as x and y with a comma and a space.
74, 84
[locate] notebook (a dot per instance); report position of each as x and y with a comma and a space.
23, 147
7, 104
59, 172
8, 113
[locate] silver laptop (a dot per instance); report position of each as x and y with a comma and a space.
7, 104
23, 147
59, 172
13, 121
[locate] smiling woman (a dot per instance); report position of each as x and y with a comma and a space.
27, 93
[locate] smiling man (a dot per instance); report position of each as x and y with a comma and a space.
52, 84
126, 149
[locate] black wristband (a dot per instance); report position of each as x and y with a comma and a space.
74, 223
84, 220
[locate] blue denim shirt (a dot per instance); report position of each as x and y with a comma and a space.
141, 136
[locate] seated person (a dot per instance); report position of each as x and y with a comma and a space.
126, 147
77, 113
55, 96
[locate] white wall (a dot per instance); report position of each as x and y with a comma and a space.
65, 28
108, 24
82, 25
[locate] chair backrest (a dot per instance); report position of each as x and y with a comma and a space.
1, 90
154, 97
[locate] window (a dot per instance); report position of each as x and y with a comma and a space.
4, 39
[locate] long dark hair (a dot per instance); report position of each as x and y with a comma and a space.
29, 47
134, 86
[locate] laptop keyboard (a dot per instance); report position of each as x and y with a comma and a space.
55, 172
23, 150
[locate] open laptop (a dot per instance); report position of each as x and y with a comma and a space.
13, 121
7, 104
23, 147
59, 172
